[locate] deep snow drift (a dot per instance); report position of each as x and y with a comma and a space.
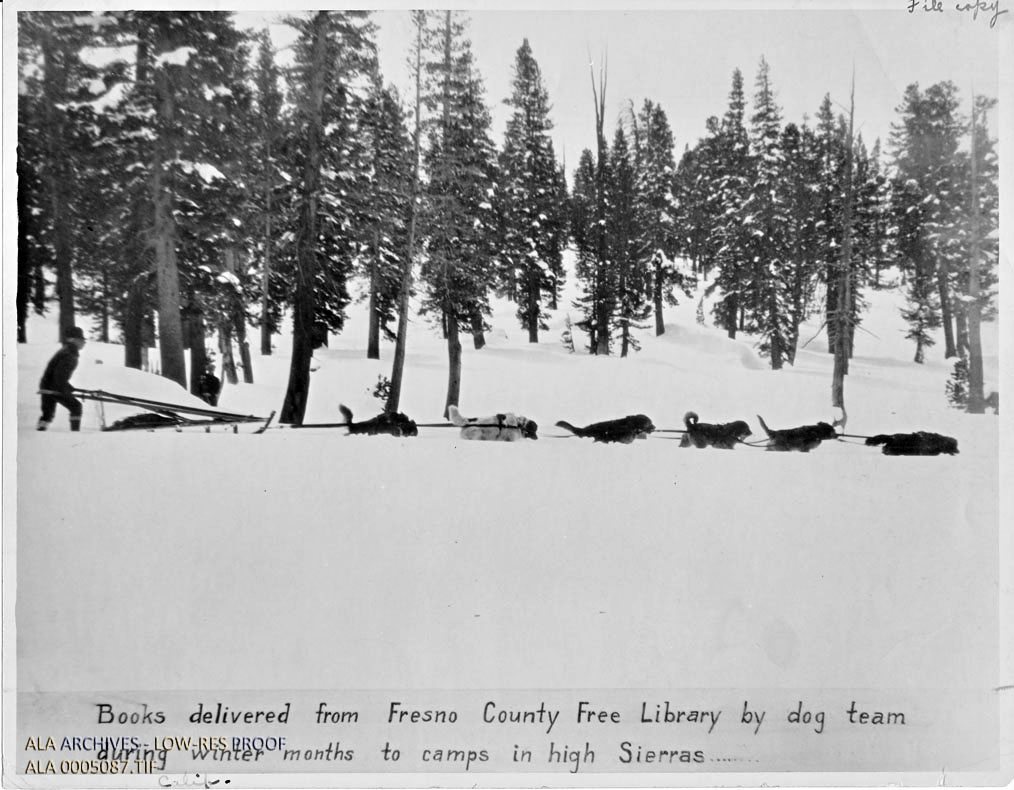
311, 559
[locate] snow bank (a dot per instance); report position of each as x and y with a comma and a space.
311, 559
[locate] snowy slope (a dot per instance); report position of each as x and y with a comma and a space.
309, 559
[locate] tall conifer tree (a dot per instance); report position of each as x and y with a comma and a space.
334, 51
459, 217
530, 213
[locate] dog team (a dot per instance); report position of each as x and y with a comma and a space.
508, 427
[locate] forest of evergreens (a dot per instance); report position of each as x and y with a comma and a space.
191, 187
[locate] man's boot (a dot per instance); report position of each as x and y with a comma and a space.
75, 423
43, 425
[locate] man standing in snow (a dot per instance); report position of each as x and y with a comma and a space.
211, 386
55, 382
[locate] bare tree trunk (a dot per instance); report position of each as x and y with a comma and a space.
304, 307
732, 300
398, 366
601, 309
478, 337
133, 324
225, 349
373, 343
170, 329
946, 310
776, 336
239, 324
601, 329
512, 284
450, 317
961, 328
533, 305
235, 322
976, 402
266, 279
843, 316
198, 350
104, 317
454, 364
657, 298
21, 300
624, 316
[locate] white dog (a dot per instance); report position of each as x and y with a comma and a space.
497, 428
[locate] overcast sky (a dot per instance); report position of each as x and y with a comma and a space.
683, 59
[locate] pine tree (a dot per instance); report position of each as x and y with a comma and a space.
333, 51
602, 296
799, 188
767, 222
656, 209
558, 233
844, 313
50, 58
384, 209
698, 214
459, 217
117, 271
925, 144
217, 216
872, 212
192, 63
530, 249
415, 62
590, 239
922, 311
981, 243
269, 121
727, 201
867, 240
629, 270
830, 152
956, 387
34, 254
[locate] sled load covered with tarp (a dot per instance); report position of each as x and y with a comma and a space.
161, 414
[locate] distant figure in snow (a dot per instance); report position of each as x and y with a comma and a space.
211, 386
55, 381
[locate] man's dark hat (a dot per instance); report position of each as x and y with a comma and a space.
73, 333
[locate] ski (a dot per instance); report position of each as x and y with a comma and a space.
267, 423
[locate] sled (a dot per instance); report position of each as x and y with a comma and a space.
172, 415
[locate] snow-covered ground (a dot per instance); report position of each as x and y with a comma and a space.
311, 559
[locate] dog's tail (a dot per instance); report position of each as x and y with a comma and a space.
346, 413
690, 419
455, 416
572, 428
764, 425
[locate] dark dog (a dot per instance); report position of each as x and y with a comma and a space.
396, 424
625, 429
497, 428
802, 439
919, 443
723, 436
